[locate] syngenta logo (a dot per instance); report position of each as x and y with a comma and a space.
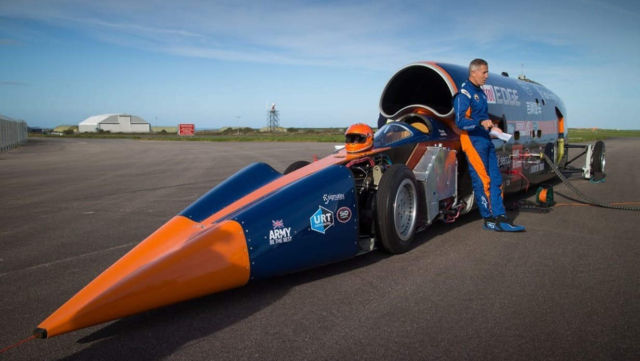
332, 197
321, 220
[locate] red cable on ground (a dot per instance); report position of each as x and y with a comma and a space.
519, 174
17, 344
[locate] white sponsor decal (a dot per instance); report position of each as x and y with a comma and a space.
504, 96
504, 161
321, 220
534, 108
465, 92
279, 233
332, 197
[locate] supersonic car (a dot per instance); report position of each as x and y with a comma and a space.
377, 191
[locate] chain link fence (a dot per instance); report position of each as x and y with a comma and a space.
12, 133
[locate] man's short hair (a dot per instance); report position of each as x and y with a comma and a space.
476, 63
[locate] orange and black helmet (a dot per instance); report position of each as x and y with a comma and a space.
359, 137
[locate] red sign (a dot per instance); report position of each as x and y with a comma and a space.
186, 129
488, 91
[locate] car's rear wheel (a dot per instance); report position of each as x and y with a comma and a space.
396, 209
598, 162
295, 166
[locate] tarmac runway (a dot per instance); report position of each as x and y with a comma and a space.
567, 289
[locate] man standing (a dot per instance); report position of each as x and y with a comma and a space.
472, 117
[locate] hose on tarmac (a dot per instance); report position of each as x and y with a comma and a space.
585, 199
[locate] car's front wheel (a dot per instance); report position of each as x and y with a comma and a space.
396, 209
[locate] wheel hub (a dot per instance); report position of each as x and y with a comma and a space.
405, 209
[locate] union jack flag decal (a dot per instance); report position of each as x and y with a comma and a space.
277, 223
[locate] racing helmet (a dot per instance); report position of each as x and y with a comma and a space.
358, 138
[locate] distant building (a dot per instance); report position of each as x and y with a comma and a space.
114, 123
65, 129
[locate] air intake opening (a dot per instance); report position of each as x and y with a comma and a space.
560, 122
417, 85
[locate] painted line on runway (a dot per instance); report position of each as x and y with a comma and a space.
30, 268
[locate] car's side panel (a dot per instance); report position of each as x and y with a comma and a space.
310, 222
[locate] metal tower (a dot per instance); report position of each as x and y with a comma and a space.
273, 118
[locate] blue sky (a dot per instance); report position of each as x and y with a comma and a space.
324, 63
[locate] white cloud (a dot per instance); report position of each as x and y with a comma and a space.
139, 29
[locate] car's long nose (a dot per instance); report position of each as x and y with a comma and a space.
181, 260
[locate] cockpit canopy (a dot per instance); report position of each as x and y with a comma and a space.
396, 133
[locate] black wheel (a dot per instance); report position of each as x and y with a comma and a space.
396, 209
295, 166
598, 162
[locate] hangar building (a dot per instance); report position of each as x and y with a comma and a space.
114, 123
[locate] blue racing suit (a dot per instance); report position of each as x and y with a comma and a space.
471, 108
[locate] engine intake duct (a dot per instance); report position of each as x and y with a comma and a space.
420, 85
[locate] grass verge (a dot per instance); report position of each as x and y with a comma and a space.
578, 135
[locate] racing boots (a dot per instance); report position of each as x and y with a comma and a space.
501, 224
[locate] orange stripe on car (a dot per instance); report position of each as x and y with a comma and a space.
339, 158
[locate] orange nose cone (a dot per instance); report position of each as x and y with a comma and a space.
179, 261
